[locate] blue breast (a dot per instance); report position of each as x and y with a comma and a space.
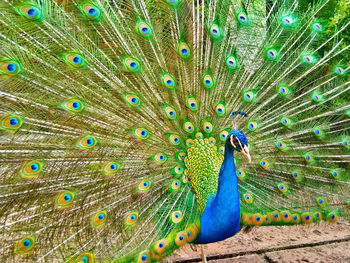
221, 217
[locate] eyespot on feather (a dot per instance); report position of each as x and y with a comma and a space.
241, 174
178, 170
10, 67
308, 59
99, 219
248, 198
318, 132
208, 81
85, 258
144, 257
257, 220
275, 216
168, 81
281, 145
321, 202
160, 158
286, 122
142, 133
65, 199
144, 29
25, 245
317, 27
283, 188
170, 112
318, 216
220, 109
87, 142
184, 50
131, 219
252, 126
192, 104
223, 135
30, 11
176, 217
199, 135
297, 176
181, 239
31, 169
181, 156
248, 96
10, 122
215, 31
306, 218
207, 127
74, 59
296, 218
242, 18
73, 105
160, 246
175, 185
91, 11
192, 232
111, 168
284, 91
174, 139
264, 164
188, 126
332, 217
335, 174
308, 158
133, 100
144, 186
346, 144
339, 70
267, 219
288, 21
132, 64
286, 216
231, 62
212, 140
272, 54
189, 142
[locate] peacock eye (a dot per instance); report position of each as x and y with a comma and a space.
234, 141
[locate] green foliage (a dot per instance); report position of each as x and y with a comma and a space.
334, 15
340, 18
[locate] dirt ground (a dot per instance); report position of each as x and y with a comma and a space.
316, 243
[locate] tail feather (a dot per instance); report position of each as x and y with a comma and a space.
100, 101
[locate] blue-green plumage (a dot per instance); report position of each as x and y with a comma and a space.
115, 135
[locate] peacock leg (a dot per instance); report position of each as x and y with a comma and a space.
204, 259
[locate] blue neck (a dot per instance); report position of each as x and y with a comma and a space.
221, 216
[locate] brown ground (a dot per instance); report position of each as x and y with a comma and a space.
317, 243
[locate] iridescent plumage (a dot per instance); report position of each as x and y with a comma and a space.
124, 125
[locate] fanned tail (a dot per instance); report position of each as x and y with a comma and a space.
101, 100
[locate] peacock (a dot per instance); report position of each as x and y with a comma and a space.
131, 128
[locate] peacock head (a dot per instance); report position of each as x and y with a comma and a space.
237, 141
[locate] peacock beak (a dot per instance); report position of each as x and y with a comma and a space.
245, 152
